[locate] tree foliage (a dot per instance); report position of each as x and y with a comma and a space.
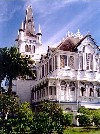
68, 117
89, 116
50, 118
96, 117
85, 120
19, 118
13, 65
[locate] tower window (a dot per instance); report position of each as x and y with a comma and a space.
26, 48
33, 48
29, 48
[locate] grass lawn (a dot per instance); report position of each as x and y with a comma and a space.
80, 130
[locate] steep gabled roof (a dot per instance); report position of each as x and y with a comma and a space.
71, 43
68, 44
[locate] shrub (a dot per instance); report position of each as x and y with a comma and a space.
85, 120
96, 119
68, 117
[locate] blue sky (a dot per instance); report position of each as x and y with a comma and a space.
56, 17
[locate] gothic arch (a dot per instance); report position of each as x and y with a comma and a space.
26, 48
33, 48
63, 83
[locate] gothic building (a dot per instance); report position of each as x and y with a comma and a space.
68, 74
28, 41
29, 45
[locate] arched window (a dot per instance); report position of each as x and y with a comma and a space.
33, 49
63, 61
82, 91
91, 92
72, 86
26, 48
98, 92
50, 65
63, 85
29, 48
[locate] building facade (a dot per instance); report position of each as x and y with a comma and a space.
69, 74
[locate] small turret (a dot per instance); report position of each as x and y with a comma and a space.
39, 35
21, 32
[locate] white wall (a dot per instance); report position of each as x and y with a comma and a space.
23, 89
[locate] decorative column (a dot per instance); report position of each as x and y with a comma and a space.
58, 61
95, 92
48, 66
58, 90
87, 91
84, 61
54, 62
75, 99
78, 90
69, 92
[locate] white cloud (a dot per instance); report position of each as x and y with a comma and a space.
45, 7
79, 20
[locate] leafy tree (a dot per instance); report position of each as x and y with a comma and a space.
15, 65
9, 107
50, 118
25, 118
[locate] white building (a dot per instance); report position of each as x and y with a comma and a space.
28, 41
29, 44
68, 74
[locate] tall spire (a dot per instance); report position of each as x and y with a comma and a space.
29, 23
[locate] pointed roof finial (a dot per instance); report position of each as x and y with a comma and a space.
78, 34
68, 34
40, 29
22, 26
78, 31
